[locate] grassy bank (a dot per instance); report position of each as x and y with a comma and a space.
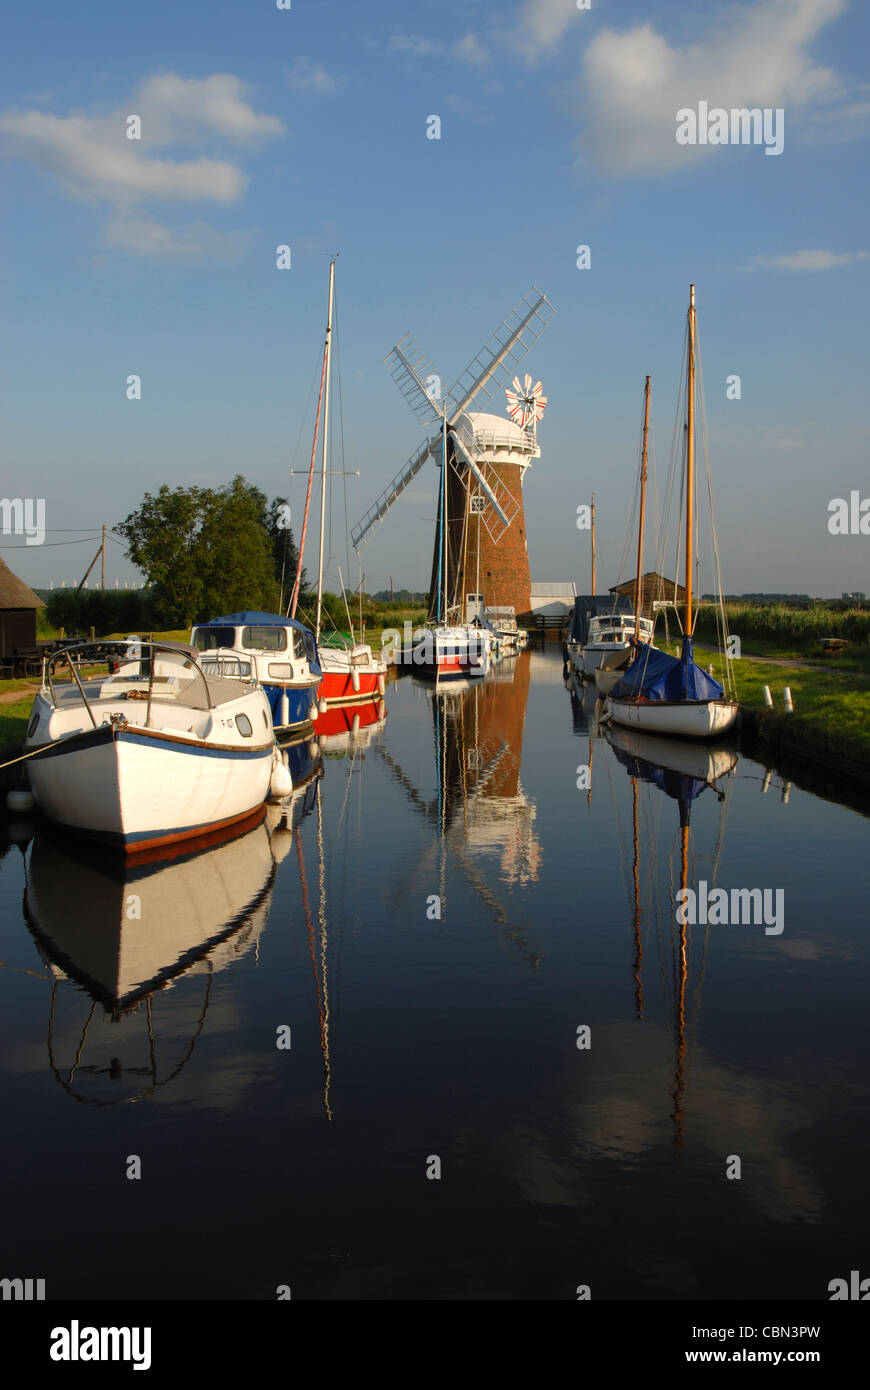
831, 718
13, 718
795, 631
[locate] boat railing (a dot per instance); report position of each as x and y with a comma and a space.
227, 663
89, 653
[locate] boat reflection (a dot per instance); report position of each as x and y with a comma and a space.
682, 771
125, 930
350, 728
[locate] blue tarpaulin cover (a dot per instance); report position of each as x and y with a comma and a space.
587, 606
653, 675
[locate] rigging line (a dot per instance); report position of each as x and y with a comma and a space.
721, 618
294, 598
341, 434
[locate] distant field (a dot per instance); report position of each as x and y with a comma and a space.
794, 631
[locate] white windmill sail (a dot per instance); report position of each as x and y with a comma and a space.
414, 374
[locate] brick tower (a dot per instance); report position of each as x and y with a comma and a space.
487, 552
486, 457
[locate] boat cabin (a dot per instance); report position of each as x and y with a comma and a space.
280, 653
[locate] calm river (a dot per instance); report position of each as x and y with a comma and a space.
433, 1030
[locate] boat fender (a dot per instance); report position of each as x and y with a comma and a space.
322, 706
20, 800
280, 783
381, 684
312, 712
355, 724
285, 708
354, 679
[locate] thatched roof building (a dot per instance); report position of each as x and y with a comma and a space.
18, 605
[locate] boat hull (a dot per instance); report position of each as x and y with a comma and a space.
292, 705
451, 654
704, 719
138, 789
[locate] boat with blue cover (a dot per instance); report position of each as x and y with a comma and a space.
664, 694
280, 653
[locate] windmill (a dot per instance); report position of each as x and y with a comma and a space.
486, 457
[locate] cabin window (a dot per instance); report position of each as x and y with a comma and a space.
31, 728
206, 639
298, 644
310, 650
268, 639
244, 725
281, 670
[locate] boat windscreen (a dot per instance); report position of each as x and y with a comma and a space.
206, 639
266, 639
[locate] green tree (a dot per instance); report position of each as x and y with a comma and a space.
285, 552
204, 551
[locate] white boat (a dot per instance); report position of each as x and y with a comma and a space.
279, 653
503, 621
155, 752
451, 653
665, 694
610, 636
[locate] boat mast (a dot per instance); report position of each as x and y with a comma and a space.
444, 509
690, 460
592, 514
638, 583
325, 448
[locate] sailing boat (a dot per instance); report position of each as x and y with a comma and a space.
665, 694
350, 672
445, 651
606, 661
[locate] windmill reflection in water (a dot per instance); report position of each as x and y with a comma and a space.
479, 811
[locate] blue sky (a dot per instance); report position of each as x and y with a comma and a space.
307, 127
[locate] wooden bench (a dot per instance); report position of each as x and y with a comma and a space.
28, 661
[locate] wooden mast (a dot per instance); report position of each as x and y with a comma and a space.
592, 512
325, 447
638, 583
690, 461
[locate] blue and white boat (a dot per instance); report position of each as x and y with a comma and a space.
279, 653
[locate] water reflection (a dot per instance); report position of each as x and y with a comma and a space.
480, 811
125, 930
682, 771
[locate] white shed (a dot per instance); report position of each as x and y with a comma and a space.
553, 599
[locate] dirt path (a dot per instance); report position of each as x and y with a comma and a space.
790, 661
10, 696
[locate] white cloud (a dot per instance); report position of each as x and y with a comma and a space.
91, 157
194, 241
633, 83
181, 108
542, 23
471, 50
809, 260
306, 76
415, 44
